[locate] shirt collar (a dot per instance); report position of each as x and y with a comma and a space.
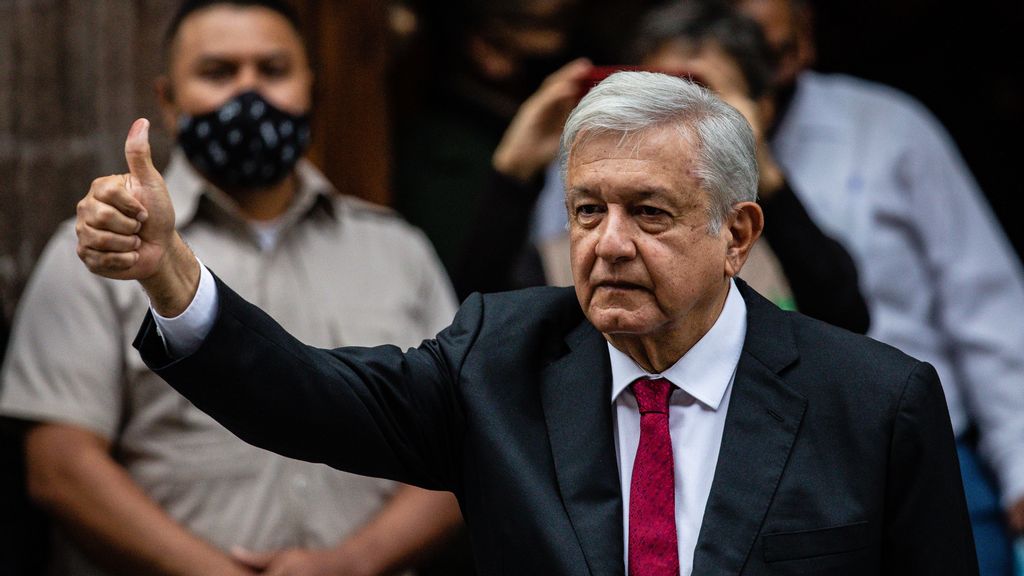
707, 368
187, 187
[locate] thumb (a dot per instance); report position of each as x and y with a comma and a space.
138, 154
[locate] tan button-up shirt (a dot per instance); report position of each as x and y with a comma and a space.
339, 272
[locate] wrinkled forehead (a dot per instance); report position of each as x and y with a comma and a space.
660, 160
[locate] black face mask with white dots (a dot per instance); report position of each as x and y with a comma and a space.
247, 143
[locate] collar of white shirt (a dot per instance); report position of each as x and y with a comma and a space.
706, 370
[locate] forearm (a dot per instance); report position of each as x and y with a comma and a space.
412, 524
95, 500
297, 395
175, 281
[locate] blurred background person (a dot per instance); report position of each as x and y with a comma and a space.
140, 482
942, 282
492, 54
799, 266
22, 528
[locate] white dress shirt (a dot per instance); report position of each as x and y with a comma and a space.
184, 333
703, 378
696, 418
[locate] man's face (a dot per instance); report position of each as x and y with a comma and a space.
642, 260
786, 27
224, 50
514, 51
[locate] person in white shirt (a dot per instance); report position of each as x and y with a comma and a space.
138, 480
942, 282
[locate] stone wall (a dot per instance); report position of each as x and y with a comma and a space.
72, 76
75, 73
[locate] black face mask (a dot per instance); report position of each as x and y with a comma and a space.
246, 143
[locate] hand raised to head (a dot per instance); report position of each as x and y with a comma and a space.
531, 140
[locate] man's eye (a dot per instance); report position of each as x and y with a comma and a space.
588, 209
649, 211
216, 73
275, 70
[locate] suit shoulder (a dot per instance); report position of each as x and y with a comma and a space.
520, 329
531, 311
539, 300
850, 353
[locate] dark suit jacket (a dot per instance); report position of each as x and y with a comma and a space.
837, 456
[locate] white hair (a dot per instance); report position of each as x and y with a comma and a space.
632, 102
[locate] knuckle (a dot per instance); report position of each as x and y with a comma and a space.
110, 190
86, 237
110, 261
101, 189
101, 241
105, 214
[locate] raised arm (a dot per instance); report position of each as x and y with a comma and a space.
373, 411
256, 379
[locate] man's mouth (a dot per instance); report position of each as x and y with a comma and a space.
618, 285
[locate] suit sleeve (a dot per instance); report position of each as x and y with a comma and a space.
371, 411
927, 530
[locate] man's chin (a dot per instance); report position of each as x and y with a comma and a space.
619, 321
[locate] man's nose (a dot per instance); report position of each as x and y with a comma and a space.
248, 79
617, 241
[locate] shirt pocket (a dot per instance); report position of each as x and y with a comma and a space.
781, 546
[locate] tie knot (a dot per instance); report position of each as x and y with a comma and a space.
652, 395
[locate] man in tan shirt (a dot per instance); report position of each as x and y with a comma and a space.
138, 480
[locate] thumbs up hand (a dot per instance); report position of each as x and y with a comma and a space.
125, 227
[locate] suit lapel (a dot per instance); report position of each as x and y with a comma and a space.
762, 423
576, 394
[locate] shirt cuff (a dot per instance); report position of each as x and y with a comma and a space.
183, 334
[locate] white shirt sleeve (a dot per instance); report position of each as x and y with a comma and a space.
183, 334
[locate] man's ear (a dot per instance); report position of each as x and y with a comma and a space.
743, 228
168, 108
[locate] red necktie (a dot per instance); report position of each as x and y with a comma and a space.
653, 549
